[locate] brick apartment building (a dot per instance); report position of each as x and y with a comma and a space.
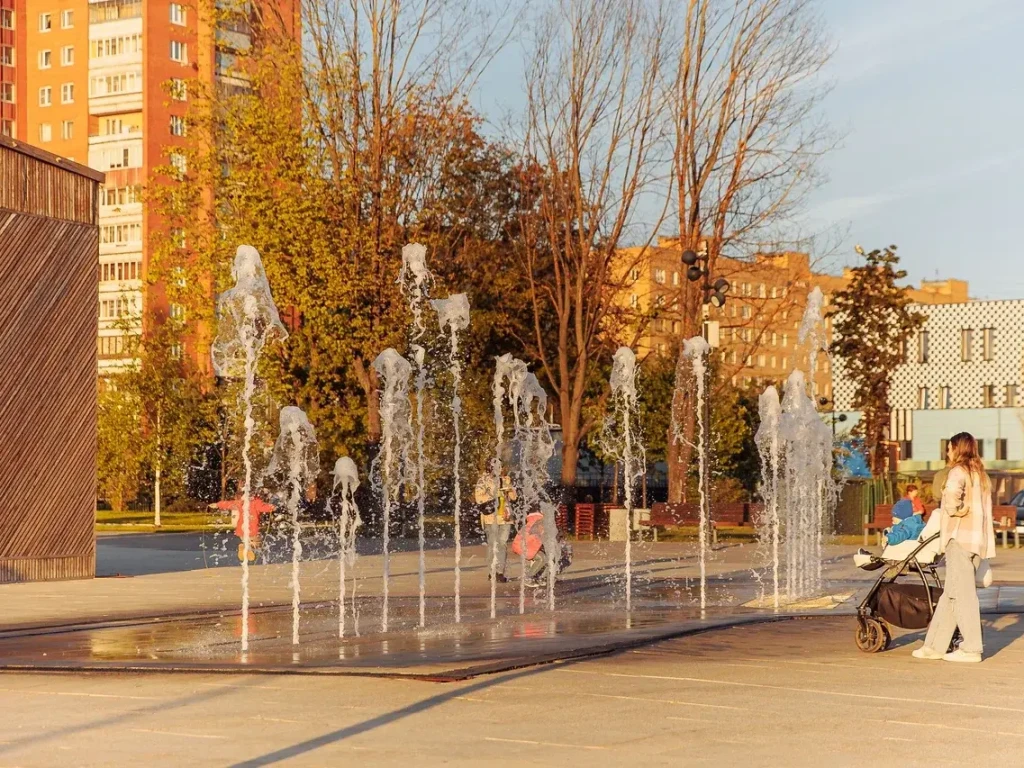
106, 83
760, 321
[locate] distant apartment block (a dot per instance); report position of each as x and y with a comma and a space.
106, 83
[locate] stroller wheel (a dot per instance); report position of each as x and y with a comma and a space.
871, 636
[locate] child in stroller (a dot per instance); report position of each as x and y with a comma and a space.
905, 604
532, 538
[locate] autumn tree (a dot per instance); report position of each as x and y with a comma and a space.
744, 91
118, 446
592, 128
872, 320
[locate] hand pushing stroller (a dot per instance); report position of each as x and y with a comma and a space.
906, 604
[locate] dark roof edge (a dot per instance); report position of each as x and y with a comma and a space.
55, 160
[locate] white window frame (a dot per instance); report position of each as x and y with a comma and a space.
45, 133
45, 22
67, 93
10, 58
6, 18
67, 19
46, 91
179, 89
45, 58
179, 52
178, 14
177, 125
67, 129
67, 56
7, 93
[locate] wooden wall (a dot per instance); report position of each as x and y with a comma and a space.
49, 245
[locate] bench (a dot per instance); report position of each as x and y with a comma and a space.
584, 516
664, 515
881, 520
1005, 518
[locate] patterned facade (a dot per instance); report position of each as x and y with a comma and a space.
964, 371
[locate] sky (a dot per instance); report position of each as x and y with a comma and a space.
926, 99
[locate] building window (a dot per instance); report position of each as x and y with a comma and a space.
45, 133
177, 14
745, 313
762, 291
67, 19
124, 82
906, 450
988, 396
922, 347
45, 96
634, 273
746, 289
67, 55
785, 363
1002, 449
115, 46
659, 276
1011, 395
177, 125
761, 361
120, 234
45, 59
634, 301
7, 93
966, 342
45, 22
677, 327
749, 361
179, 52
118, 158
946, 398
67, 129
675, 279
989, 344
6, 55
67, 93
785, 339
6, 18
7, 128
112, 10
119, 196
775, 361
922, 398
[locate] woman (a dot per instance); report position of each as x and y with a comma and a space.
967, 537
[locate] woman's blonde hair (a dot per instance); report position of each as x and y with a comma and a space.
964, 449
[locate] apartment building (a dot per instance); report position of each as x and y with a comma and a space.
106, 83
964, 371
759, 324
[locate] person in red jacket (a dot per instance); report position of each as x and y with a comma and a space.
257, 508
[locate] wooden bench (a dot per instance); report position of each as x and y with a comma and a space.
881, 520
1005, 518
584, 516
665, 515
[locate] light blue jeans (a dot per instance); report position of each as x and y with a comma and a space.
497, 541
958, 606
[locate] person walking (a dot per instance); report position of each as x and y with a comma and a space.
967, 537
495, 519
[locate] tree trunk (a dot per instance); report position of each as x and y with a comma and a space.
570, 457
156, 484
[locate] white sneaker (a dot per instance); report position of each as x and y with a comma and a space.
964, 657
924, 652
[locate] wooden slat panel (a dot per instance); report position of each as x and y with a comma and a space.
36, 182
48, 326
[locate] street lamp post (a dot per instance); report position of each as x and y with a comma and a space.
712, 294
823, 401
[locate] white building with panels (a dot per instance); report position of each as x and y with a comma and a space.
964, 371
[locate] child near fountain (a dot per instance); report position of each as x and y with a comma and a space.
497, 523
532, 538
257, 507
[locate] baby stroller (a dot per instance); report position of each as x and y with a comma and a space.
906, 604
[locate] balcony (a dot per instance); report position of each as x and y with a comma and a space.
115, 103
114, 10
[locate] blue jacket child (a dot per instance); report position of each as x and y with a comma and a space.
909, 528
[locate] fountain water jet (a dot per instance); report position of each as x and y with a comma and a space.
295, 454
346, 482
392, 463
697, 350
767, 440
247, 321
513, 372
453, 313
625, 444
536, 449
416, 280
